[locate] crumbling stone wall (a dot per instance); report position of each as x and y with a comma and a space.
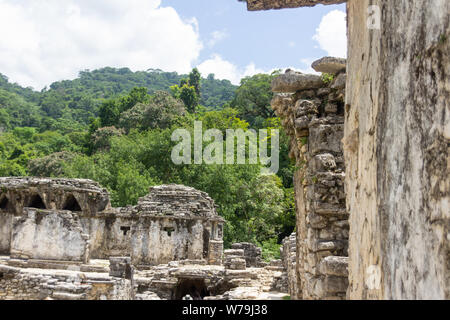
252, 253
39, 284
78, 195
72, 220
174, 223
289, 260
75, 195
312, 112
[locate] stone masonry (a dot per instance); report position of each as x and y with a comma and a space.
62, 240
72, 220
289, 260
312, 112
396, 143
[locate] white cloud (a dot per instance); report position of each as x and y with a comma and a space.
46, 41
216, 37
224, 69
332, 34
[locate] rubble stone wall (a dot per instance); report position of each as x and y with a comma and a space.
312, 113
252, 253
35, 284
289, 260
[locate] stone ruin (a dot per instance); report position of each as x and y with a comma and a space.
62, 239
312, 112
372, 190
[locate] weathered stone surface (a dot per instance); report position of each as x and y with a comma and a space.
292, 81
254, 5
235, 259
40, 284
49, 235
396, 150
120, 267
314, 121
173, 222
339, 82
330, 65
54, 194
252, 253
178, 201
335, 266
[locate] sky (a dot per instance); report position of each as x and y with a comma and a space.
43, 41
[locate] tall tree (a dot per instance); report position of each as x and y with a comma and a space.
194, 80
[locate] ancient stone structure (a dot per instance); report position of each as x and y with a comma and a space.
72, 220
252, 253
27, 283
61, 240
235, 259
289, 260
254, 5
312, 112
396, 141
175, 223
397, 132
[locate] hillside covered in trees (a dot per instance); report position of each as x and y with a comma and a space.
114, 126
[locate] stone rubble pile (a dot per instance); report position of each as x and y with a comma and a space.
234, 259
252, 253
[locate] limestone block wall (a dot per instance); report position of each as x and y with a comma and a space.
49, 235
39, 284
289, 260
252, 253
397, 131
312, 112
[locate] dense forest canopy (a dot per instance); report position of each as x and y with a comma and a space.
114, 126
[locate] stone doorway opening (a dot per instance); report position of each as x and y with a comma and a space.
4, 203
72, 204
36, 202
196, 288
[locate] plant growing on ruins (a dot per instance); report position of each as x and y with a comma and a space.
327, 78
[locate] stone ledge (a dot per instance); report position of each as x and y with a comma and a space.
334, 266
293, 81
255, 5
329, 65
